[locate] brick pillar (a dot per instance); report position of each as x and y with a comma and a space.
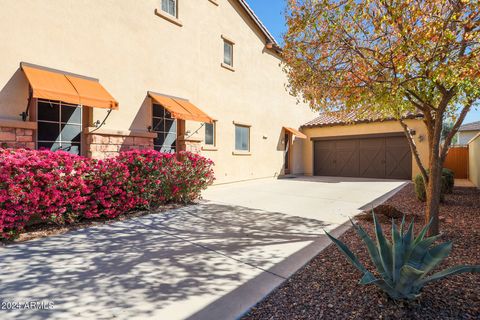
185, 142
106, 143
17, 134
189, 144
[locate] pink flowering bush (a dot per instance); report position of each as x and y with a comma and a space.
41, 185
150, 172
156, 178
62, 188
193, 174
108, 194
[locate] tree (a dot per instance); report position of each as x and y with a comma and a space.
390, 58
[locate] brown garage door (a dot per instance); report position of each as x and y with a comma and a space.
386, 157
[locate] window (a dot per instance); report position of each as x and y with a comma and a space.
166, 128
59, 126
242, 138
210, 134
170, 7
228, 53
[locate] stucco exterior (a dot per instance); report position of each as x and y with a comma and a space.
365, 129
132, 50
474, 160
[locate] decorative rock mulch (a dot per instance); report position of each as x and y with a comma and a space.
327, 287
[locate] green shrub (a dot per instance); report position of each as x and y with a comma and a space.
447, 184
420, 188
449, 180
404, 264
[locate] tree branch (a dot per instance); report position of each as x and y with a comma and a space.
413, 148
456, 126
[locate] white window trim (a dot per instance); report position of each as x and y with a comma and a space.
243, 124
168, 17
226, 66
227, 40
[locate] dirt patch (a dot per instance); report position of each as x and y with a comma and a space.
327, 287
384, 212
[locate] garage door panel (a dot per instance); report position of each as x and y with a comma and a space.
346, 156
372, 157
324, 158
398, 158
376, 157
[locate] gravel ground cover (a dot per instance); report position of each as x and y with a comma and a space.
327, 287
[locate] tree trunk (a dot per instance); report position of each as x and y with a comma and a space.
434, 186
433, 193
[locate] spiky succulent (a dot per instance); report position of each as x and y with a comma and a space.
403, 264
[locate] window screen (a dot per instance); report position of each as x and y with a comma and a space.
228, 53
210, 134
242, 138
170, 7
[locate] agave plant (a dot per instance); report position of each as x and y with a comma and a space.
403, 264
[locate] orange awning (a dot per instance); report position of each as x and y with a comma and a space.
180, 108
56, 85
296, 133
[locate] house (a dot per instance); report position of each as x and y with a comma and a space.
349, 145
467, 132
474, 160
95, 78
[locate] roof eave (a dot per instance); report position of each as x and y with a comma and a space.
353, 122
258, 22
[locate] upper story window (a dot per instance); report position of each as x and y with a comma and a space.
166, 128
210, 134
228, 53
59, 126
170, 7
242, 138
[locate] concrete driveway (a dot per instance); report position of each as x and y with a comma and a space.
329, 199
208, 261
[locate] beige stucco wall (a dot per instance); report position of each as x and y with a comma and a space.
362, 129
132, 50
474, 160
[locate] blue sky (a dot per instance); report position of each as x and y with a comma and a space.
271, 12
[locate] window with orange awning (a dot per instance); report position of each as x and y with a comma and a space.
57, 85
180, 108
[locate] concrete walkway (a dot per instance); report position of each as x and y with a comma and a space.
208, 261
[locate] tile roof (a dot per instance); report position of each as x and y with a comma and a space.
472, 126
342, 118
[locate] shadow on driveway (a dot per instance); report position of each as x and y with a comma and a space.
160, 266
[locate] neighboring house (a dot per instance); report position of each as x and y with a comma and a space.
366, 147
467, 132
98, 77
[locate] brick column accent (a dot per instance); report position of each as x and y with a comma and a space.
105, 143
17, 134
190, 144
